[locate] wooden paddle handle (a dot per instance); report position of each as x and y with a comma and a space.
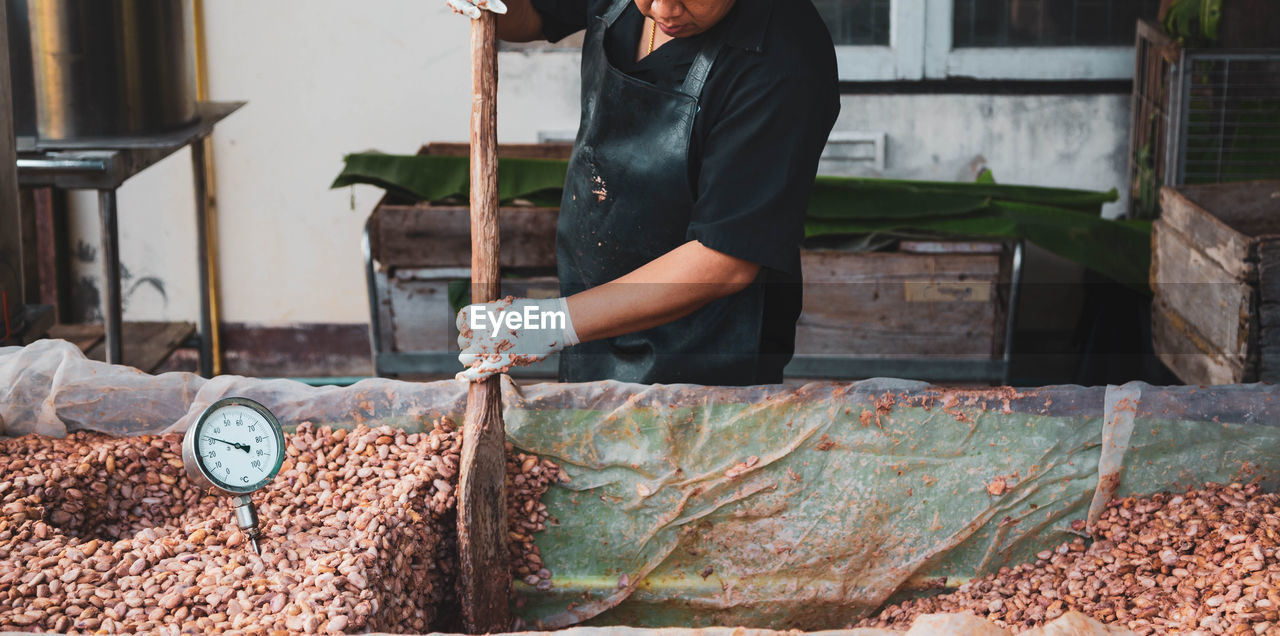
484, 579
484, 160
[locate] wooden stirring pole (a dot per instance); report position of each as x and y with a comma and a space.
484, 579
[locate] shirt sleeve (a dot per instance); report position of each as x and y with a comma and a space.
561, 18
759, 160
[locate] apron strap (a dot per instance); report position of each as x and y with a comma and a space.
702, 63
614, 12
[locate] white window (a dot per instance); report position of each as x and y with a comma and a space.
879, 40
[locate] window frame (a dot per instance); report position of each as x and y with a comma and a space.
902, 59
920, 47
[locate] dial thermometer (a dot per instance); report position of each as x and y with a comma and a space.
235, 448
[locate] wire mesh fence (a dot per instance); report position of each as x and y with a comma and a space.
1200, 116
1232, 119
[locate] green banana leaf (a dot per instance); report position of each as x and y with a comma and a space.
1119, 249
1063, 221
437, 178
849, 197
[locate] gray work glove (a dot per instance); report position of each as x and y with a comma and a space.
512, 332
471, 8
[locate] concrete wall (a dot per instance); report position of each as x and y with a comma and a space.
337, 77
1047, 140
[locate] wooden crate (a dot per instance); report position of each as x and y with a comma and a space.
418, 250
927, 299
1215, 275
421, 249
926, 302
935, 299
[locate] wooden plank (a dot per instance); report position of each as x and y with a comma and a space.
11, 292
1188, 354
951, 247
560, 151
82, 335
50, 274
296, 350
1230, 249
900, 305
1209, 298
145, 345
440, 236
1160, 41
1268, 338
1251, 208
30, 261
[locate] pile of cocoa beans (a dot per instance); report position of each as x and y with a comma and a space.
1203, 561
103, 534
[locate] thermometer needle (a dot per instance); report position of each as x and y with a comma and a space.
243, 447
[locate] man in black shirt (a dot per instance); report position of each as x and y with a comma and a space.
683, 210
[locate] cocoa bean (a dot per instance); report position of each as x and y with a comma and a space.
335, 521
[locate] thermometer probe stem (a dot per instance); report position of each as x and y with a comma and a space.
247, 519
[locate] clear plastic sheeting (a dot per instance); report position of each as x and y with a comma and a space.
49, 387
804, 507
771, 507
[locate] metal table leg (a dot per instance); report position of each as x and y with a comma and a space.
111, 311
1015, 283
202, 229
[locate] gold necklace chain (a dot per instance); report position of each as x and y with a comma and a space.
653, 35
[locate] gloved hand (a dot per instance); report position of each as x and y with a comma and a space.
471, 8
512, 332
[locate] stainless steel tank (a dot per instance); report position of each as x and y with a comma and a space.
24, 88
111, 68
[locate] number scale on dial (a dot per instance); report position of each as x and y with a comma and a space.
238, 446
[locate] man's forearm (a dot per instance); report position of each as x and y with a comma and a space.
669, 288
521, 23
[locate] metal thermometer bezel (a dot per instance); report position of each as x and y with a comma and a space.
194, 462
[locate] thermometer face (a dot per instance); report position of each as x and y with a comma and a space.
236, 445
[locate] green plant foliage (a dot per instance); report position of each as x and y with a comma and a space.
1064, 221
1194, 22
439, 178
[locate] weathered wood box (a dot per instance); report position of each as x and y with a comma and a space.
1215, 274
936, 299
417, 253
421, 251
930, 310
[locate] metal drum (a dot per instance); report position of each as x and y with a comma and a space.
24, 95
114, 68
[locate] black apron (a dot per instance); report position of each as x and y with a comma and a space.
627, 201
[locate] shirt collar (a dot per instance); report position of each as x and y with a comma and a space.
747, 22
